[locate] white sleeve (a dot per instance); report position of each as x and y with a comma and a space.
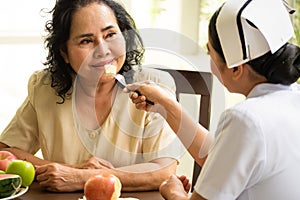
236, 158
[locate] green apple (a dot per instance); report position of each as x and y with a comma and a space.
22, 168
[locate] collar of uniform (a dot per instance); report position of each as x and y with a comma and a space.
266, 88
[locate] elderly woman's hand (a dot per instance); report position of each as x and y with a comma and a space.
56, 177
95, 163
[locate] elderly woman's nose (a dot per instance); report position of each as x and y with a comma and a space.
101, 49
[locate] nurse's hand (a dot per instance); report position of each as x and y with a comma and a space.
176, 187
148, 91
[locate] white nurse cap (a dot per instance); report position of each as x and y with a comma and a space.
248, 29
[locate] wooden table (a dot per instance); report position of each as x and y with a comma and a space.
35, 192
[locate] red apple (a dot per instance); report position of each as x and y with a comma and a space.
103, 187
5, 158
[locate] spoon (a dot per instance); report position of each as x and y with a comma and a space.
110, 70
122, 83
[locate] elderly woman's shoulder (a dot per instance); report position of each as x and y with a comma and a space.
154, 74
40, 77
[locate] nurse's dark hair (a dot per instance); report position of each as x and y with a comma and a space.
58, 29
282, 67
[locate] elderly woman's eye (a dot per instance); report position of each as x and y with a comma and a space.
111, 35
86, 41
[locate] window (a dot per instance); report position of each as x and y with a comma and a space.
21, 50
296, 20
170, 30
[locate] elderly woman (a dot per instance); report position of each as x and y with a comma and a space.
79, 117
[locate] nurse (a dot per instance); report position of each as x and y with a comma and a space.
255, 153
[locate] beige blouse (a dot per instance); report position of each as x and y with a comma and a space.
128, 136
